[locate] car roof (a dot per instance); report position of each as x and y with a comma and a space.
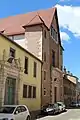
60, 102
12, 105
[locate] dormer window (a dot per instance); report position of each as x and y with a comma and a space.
53, 33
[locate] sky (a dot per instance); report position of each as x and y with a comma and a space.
69, 23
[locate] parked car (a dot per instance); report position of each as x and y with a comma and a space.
14, 112
46, 109
74, 104
50, 109
79, 103
57, 109
61, 106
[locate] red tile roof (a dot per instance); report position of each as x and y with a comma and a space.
14, 24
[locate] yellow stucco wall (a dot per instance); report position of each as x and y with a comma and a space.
28, 79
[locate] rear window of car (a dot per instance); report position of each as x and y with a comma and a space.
7, 110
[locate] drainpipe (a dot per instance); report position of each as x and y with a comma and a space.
41, 84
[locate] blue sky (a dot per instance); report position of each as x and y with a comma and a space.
69, 21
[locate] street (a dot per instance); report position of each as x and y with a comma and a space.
71, 114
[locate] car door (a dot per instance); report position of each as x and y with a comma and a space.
60, 107
18, 114
24, 112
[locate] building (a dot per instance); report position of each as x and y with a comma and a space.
38, 32
57, 85
69, 88
78, 92
20, 75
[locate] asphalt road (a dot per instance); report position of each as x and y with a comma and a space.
71, 114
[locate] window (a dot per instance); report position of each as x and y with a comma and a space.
26, 65
34, 92
35, 69
55, 94
12, 52
24, 91
23, 108
45, 33
18, 109
11, 55
29, 91
45, 56
65, 90
53, 58
7, 109
60, 51
44, 75
44, 91
53, 33
61, 67
51, 30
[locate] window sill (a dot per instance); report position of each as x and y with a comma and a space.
29, 98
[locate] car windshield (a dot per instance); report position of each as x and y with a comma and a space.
7, 110
59, 104
50, 106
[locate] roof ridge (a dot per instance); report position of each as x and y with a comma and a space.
33, 19
40, 17
52, 15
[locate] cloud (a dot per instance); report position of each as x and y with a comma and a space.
64, 36
69, 18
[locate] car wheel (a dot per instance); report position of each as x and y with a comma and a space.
28, 118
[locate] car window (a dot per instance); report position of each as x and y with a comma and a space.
45, 106
23, 108
8, 110
18, 109
50, 106
59, 104
55, 105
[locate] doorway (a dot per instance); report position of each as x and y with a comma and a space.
55, 94
10, 87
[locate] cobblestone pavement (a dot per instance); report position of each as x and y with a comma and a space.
71, 114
